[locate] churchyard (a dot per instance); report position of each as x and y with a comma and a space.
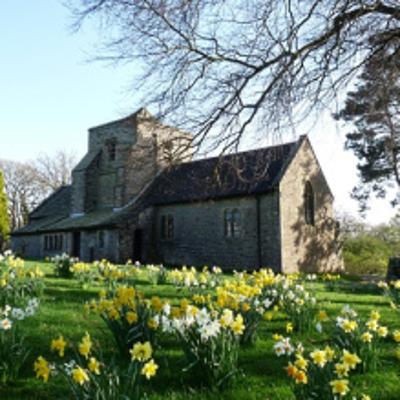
72, 330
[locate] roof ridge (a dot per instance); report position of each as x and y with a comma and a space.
238, 153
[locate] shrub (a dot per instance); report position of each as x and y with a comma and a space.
366, 255
63, 264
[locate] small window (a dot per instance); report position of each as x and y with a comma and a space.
167, 227
46, 242
60, 242
51, 242
309, 206
112, 150
55, 242
228, 223
232, 223
101, 239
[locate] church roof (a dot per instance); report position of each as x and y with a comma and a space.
246, 173
241, 174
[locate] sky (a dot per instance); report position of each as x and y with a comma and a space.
51, 93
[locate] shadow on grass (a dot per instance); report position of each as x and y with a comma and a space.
70, 295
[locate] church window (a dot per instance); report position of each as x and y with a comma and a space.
309, 204
167, 227
101, 239
232, 223
112, 150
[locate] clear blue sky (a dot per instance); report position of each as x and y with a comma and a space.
50, 95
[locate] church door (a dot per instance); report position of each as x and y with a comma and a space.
76, 244
137, 245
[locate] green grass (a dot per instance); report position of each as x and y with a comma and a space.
262, 376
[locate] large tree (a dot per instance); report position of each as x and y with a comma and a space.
4, 219
28, 184
373, 111
226, 69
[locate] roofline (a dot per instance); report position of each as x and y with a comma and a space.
48, 230
133, 115
289, 159
50, 196
217, 198
320, 168
221, 156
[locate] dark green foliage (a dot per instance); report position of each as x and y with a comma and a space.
4, 219
374, 109
366, 254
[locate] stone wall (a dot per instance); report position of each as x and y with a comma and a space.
307, 248
199, 237
27, 246
270, 231
90, 249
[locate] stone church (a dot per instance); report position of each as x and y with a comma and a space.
137, 194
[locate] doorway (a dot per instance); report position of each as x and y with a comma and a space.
76, 244
137, 245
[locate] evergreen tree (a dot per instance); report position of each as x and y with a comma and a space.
373, 109
4, 220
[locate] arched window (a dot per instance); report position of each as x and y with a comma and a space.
233, 223
112, 149
309, 206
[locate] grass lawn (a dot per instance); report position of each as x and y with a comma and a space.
263, 376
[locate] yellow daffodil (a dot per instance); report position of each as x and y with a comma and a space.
289, 327
94, 366
382, 331
141, 351
301, 362
375, 316
79, 375
340, 386
342, 370
350, 360
319, 357
396, 336
85, 346
237, 325
42, 369
58, 345
149, 369
367, 337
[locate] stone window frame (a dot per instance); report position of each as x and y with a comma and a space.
167, 227
309, 204
53, 242
233, 223
111, 149
101, 239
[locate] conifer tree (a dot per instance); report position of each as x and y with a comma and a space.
4, 220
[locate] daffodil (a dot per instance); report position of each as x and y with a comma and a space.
350, 360
85, 346
340, 386
319, 357
58, 345
367, 337
94, 366
79, 375
149, 369
141, 351
42, 369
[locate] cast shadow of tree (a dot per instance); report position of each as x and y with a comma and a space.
319, 242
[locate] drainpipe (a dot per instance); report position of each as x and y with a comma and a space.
258, 231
